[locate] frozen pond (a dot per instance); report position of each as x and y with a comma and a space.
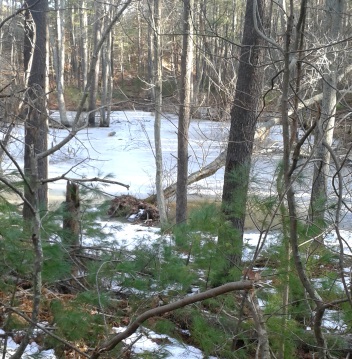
128, 156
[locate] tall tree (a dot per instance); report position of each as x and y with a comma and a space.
95, 83
158, 81
325, 129
151, 52
59, 60
71, 27
36, 125
184, 112
288, 169
83, 44
242, 130
36, 131
106, 74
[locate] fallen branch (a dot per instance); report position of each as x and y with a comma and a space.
204, 172
211, 293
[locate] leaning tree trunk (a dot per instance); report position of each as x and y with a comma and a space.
184, 113
240, 145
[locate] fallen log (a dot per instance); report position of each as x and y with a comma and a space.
261, 133
204, 172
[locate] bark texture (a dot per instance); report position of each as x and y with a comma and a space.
71, 223
184, 114
243, 127
290, 194
36, 125
158, 83
60, 61
325, 130
95, 79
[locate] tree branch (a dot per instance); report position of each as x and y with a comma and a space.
80, 180
228, 287
23, 8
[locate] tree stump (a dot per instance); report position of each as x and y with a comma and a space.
72, 217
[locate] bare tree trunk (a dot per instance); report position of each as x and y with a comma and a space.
106, 77
60, 61
324, 131
151, 53
72, 29
286, 266
72, 221
36, 126
184, 113
200, 60
298, 46
263, 348
240, 145
35, 195
33, 205
158, 81
95, 83
83, 44
290, 195
175, 59
140, 62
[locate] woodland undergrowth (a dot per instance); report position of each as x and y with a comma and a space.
88, 292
